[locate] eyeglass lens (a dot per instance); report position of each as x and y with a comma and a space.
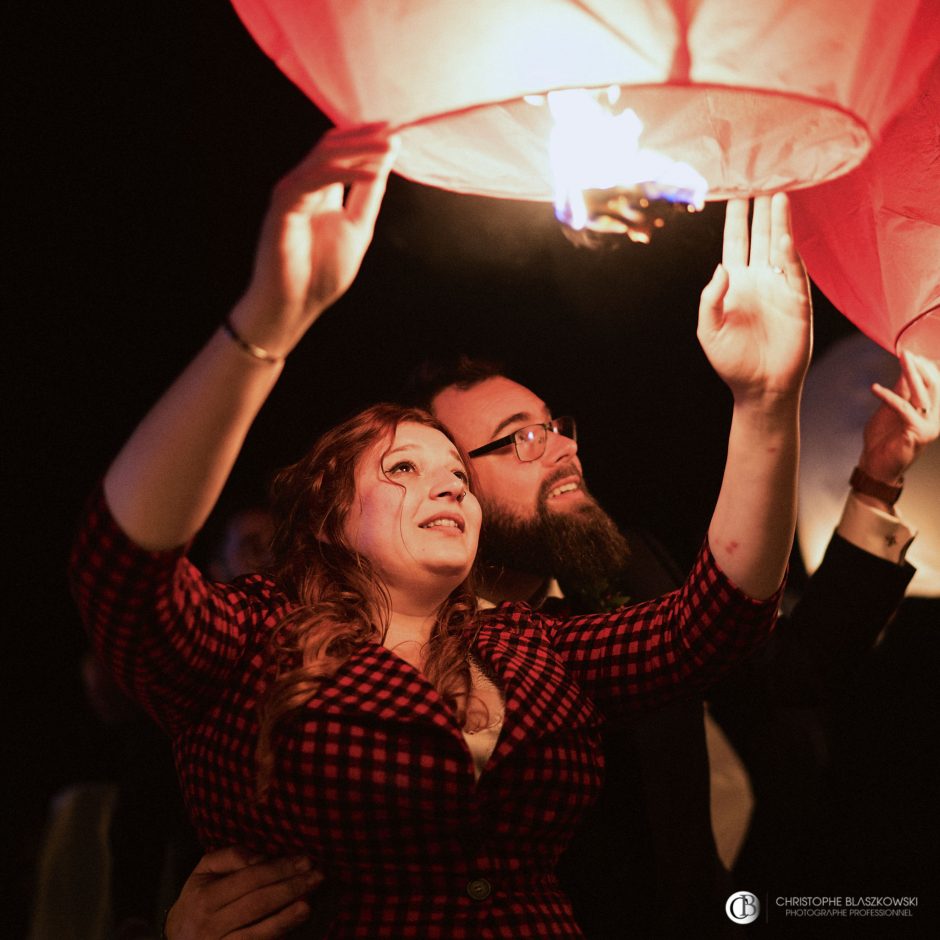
530, 441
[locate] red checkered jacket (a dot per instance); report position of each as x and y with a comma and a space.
374, 781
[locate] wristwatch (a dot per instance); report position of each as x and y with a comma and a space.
861, 482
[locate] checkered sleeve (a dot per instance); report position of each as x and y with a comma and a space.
167, 635
642, 656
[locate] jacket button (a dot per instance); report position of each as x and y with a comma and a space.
479, 889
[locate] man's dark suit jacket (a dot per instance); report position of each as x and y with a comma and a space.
644, 863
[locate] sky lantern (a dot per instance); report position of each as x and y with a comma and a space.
719, 98
871, 239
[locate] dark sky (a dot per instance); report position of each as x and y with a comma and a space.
148, 137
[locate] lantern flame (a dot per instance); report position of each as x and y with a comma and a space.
604, 181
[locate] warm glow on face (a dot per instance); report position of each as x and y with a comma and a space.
594, 146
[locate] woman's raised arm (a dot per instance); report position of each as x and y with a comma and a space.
755, 325
164, 482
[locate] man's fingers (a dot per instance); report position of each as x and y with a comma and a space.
231, 889
276, 925
223, 890
223, 861
261, 875
928, 369
895, 402
269, 900
915, 372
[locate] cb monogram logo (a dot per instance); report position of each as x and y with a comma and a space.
743, 907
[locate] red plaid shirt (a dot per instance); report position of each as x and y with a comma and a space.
374, 781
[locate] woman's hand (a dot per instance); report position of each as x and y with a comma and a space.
164, 482
313, 240
755, 315
755, 325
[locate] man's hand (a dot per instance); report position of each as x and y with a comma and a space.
907, 421
235, 896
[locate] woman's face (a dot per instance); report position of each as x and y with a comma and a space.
412, 516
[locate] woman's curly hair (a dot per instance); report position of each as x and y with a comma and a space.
338, 602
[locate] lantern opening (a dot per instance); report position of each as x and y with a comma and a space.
605, 182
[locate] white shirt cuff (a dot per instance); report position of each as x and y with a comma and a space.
875, 531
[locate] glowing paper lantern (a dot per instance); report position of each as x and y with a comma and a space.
757, 97
871, 240
836, 405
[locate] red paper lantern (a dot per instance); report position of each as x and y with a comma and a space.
871, 239
757, 97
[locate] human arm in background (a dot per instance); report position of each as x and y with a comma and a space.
907, 421
895, 435
862, 578
778, 708
852, 595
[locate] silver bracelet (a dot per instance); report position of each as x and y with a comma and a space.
256, 352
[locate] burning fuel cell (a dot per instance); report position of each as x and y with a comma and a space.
606, 184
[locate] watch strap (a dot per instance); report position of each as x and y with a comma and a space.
861, 482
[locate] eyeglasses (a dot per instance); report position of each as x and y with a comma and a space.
530, 441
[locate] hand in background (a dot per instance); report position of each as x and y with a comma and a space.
234, 896
907, 421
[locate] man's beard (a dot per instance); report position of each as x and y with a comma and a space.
582, 547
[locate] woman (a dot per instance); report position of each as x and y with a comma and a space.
353, 707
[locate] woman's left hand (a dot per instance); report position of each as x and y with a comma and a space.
315, 233
755, 315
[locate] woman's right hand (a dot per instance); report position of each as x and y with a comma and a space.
313, 240
755, 316
755, 327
